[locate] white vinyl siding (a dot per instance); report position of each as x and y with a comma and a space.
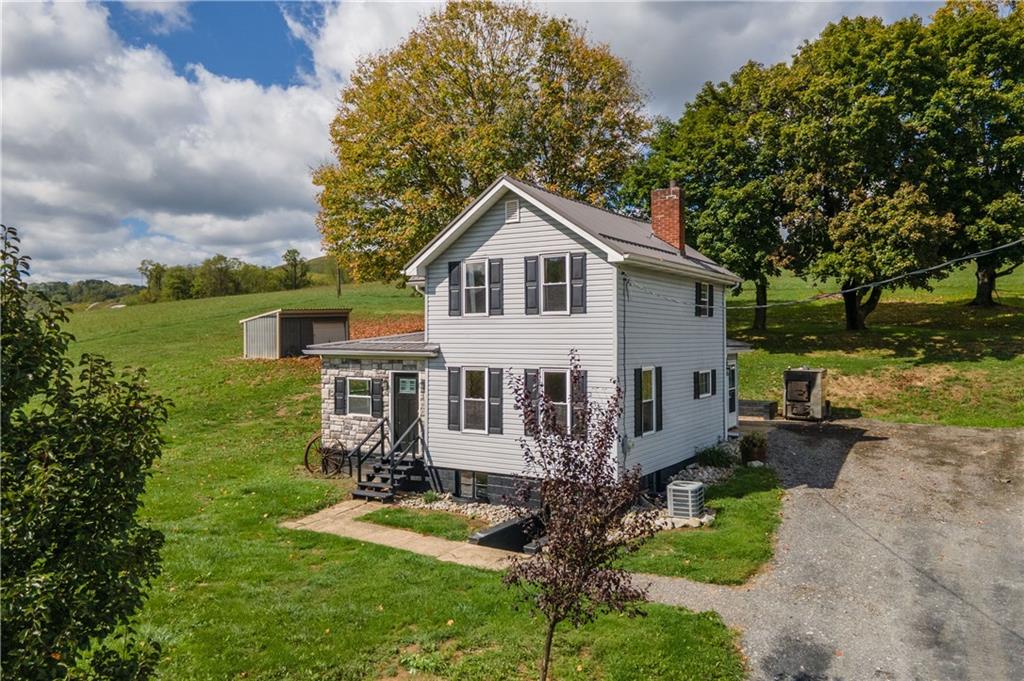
513, 341
659, 329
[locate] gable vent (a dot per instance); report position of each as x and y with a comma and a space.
512, 210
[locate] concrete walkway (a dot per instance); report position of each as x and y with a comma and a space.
341, 519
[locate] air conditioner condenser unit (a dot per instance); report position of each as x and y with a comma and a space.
685, 499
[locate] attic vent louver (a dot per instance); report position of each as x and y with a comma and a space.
512, 210
685, 499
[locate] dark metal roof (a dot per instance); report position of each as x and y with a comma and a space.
399, 345
302, 312
733, 345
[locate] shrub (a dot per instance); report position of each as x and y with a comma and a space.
718, 456
430, 496
753, 447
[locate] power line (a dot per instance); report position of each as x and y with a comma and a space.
820, 296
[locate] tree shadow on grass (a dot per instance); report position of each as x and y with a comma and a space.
924, 332
813, 455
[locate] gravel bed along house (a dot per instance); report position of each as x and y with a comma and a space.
492, 513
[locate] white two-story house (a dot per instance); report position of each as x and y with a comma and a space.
514, 283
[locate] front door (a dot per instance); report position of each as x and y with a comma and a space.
405, 408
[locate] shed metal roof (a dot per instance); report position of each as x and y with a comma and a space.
398, 345
733, 345
301, 312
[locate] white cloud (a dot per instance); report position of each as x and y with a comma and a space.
95, 131
164, 17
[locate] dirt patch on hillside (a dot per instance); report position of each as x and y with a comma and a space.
388, 325
855, 389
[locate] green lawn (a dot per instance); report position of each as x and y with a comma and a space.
434, 523
739, 542
242, 598
925, 358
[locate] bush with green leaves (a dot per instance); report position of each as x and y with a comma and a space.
717, 456
753, 447
78, 444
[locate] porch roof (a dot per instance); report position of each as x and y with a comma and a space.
733, 346
398, 345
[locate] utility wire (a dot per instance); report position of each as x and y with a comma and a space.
819, 296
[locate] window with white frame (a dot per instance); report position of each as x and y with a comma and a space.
703, 299
512, 210
359, 400
647, 397
555, 283
704, 384
474, 400
475, 287
555, 386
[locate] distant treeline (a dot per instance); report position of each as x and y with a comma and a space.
87, 291
223, 276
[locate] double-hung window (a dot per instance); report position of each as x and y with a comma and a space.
703, 384
474, 400
647, 400
555, 384
359, 400
475, 287
704, 300
554, 272
470, 485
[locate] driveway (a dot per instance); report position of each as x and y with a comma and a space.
901, 556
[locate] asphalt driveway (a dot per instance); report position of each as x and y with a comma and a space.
901, 556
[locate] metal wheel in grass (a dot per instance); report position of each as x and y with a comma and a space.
315, 455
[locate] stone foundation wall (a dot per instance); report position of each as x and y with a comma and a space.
348, 430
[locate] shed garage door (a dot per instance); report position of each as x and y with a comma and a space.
329, 332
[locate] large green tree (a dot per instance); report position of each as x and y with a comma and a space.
78, 444
975, 122
477, 90
856, 155
724, 152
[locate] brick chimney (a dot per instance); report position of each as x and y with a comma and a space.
667, 215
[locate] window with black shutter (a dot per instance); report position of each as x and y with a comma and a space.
494, 401
377, 397
578, 401
703, 384
657, 399
454, 398
703, 297
340, 396
711, 300
496, 299
531, 285
578, 283
454, 289
531, 379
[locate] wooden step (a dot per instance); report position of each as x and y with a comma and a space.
372, 494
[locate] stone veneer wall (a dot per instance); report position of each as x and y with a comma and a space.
349, 429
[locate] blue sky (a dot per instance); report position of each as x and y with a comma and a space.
173, 131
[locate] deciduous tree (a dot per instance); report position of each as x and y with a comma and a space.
77, 449
477, 90
296, 269
588, 512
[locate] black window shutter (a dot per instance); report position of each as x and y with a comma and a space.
638, 402
531, 384
578, 283
714, 381
340, 393
657, 397
496, 299
697, 310
454, 289
579, 400
711, 301
377, 398
494, 406
696, 385
530, 278
454, 397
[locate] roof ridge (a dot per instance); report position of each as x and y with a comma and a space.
579, 201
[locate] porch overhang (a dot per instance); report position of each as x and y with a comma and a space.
399, 346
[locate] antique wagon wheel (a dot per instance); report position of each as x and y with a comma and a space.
315, 455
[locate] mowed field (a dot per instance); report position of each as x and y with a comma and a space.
241, 598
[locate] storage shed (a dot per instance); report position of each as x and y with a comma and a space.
284, 332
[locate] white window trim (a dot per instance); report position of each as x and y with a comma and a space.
485, 400
702, 395
518, 209
568, 391
348, 396
486, 287
568, 288
653, 400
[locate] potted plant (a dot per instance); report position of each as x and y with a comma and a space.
754, 447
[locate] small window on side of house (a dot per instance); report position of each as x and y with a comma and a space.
703, 299
474, 400
704, 384
475, 287
554, 272
359, 399
647, 396
512, 210
555, 387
